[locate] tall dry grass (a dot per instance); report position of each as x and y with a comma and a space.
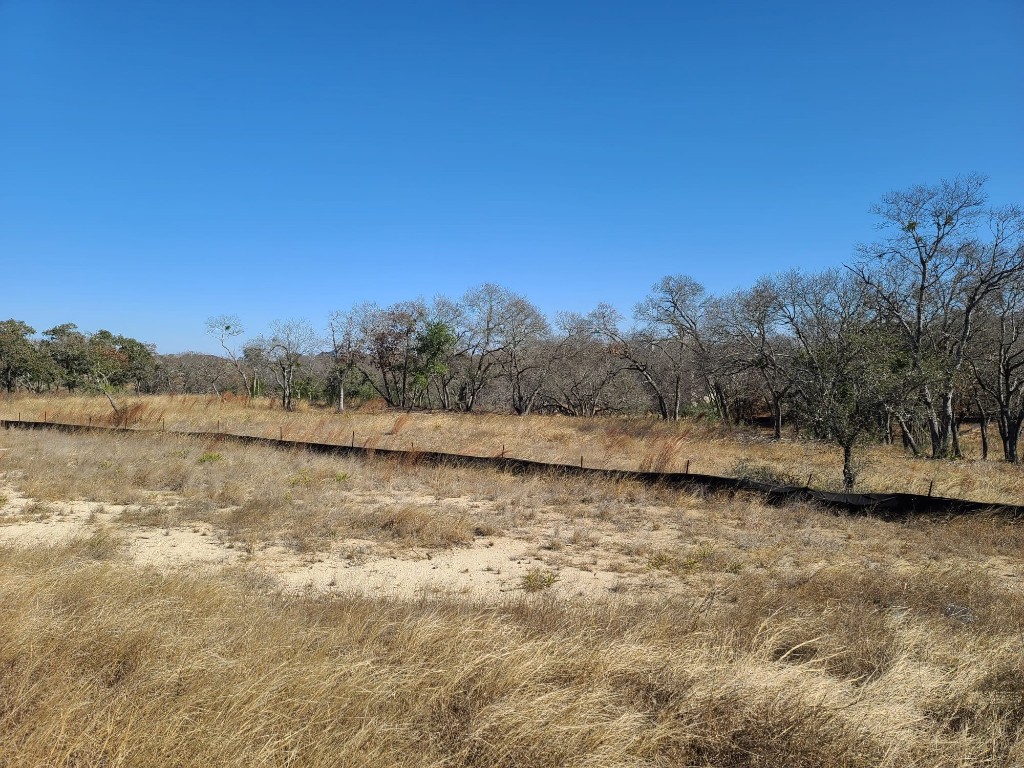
108, 664
623, 443
781, 636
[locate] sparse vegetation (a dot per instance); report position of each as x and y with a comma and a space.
413, 614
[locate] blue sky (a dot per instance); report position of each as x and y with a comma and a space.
164, 162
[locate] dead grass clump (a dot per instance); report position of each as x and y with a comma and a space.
765, 473
103, 544
400, 423
419, 525
153, 516
661, 456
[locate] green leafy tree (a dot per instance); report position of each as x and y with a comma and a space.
20, 360
434, 347
68, 349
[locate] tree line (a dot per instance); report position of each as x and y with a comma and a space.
921, 331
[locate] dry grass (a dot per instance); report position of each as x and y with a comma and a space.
107, 664
625, 443
736, 635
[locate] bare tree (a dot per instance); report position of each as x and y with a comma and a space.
675, 318
931, 275
385, 348
486, 319
343, 349
194, 372
290, 344
753, 322
528, 355
659, 360
998, 366
582, 383
226, 329
847, 364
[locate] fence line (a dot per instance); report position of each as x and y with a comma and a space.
889, 506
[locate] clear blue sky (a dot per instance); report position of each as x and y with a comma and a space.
161, 162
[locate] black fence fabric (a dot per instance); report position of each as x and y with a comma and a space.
890, 506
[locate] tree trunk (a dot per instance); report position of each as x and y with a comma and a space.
1013, 442
957, 453
848, 474
776, 404
286, 388
984, 436
1009, 432
908, 437
942, 427
110, 399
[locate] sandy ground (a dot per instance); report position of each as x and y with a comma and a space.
487, 568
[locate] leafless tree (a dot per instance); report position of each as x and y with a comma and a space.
844, 370
930, 277
752, 321
226, 329
385, 354
289, 345
583, 382
998, 366
343, 349
484, 324
194, 373
675, 319
529, 353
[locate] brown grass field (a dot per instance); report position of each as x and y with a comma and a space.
175, 601
609, 442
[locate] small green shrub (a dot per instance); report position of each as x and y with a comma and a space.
538, 579
209, 457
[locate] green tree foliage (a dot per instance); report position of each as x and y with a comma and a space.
20, 360
68, 348
433, 349
101, 361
